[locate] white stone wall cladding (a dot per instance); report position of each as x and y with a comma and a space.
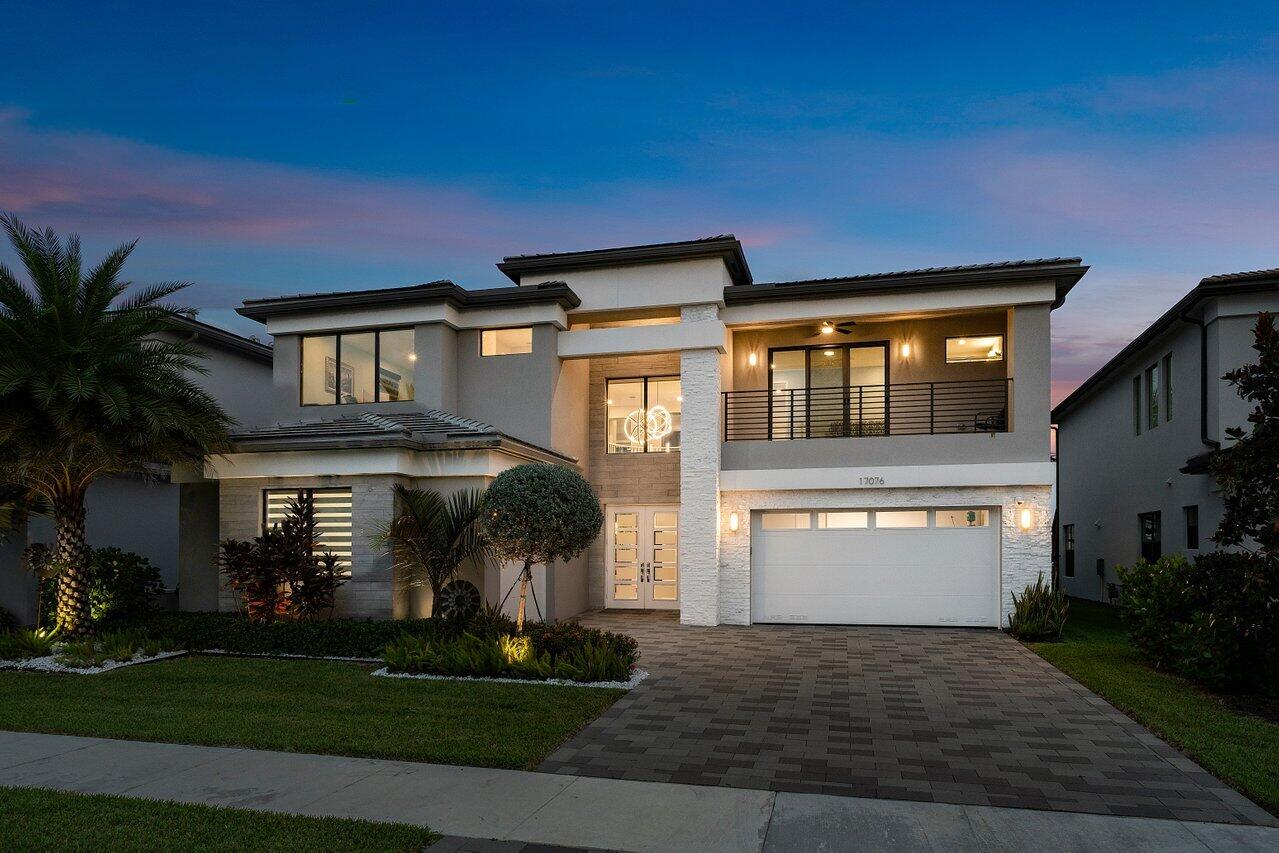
1024, 554
369, 591
700, 581
693, 313
618, 478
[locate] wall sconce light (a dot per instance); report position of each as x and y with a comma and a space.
1025, 519
732, 522
905, 350
752, 359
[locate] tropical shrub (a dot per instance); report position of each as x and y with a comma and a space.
1039, 613
1244, 470
598, 657
26, 643
232, 632
537, 514
119, 584
8, 622
431, 537
279, 574
1214, 620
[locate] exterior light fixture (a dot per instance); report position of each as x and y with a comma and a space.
732, 522
1025, 519
412, 356
752, 359
905, 350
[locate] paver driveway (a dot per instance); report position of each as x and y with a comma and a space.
946, 715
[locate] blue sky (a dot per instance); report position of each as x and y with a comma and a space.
267, 148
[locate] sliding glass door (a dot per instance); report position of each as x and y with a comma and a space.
828, 391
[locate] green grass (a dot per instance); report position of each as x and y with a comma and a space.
305, 706
1239, 748
36, 819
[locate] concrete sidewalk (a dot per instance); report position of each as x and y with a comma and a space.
576, 811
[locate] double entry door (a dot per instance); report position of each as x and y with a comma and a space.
642, 559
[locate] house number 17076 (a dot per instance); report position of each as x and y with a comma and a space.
870, 481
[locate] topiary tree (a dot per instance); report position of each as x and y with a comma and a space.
539, 514
1245, 470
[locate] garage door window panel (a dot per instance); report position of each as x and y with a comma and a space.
844, 520
963, 518
786, 521
901, 519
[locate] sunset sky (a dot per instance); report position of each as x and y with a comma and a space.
263, 149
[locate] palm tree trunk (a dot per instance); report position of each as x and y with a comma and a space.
436, 589
71, 554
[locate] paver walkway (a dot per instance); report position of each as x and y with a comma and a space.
960, 716
602, 814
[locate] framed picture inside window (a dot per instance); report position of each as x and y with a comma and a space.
330, 377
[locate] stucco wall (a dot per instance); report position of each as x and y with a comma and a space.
1023, 554
511, 392
1107, 475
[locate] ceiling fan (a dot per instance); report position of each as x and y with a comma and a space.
829, 328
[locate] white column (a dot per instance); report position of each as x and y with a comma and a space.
699, 478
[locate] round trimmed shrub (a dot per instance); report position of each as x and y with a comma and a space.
539, 513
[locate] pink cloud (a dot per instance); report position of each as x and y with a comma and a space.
95, 183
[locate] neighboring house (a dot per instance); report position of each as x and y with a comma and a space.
1133, 439
870, 449
169, 517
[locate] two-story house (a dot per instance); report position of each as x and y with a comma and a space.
871, 449
1134, 438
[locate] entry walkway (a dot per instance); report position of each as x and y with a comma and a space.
578, 812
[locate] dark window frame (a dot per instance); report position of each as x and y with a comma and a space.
1136, 405
1068, 549
1165, 381
337, 355
1156, 550
643, 380
1191, 515
846, 363
1152, 383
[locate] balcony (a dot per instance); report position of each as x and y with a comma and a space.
913, 408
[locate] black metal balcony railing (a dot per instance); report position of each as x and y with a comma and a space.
914, 408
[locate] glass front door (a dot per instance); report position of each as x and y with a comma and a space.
642, 559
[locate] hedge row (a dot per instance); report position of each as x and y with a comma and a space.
231, 632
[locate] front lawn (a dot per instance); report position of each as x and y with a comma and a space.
1239, 748
36, 819
305, 706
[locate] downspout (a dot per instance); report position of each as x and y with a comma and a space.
1056, 537
1203, 380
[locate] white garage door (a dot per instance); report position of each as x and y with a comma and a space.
876, 567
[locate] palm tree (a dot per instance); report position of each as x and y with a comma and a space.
89, 387
432, 536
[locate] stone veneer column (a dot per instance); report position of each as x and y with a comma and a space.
699, 372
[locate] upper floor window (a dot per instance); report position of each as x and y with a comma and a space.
1166, 365
1136, 405
506, 341
1068, 550
643, 414
979, 348
357, 367
1152, 397
1192, 528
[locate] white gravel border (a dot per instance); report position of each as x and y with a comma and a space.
49, 663
282, 656
636, 677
